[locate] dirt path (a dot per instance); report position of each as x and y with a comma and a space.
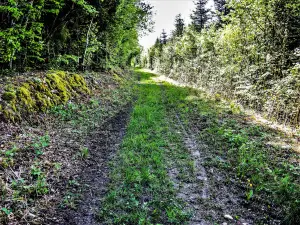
209, 196
164, 170
104, 143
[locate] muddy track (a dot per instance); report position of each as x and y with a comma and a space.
103, 144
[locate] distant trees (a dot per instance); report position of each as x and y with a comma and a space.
200, 15
253, 57
163, 37
221, 8
179, 26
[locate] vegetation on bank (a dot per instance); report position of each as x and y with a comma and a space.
40, 158
25, 95
248, 52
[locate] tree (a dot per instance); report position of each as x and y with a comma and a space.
179, 26
163, 37
71, 33
221, 8
200, 15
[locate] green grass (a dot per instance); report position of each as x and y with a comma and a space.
264, 170
141, 191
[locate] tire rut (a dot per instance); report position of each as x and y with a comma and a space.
103, 144
209, 194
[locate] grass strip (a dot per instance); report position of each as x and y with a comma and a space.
141, 191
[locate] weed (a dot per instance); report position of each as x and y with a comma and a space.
10, 153
84, 153
36, 170
73, 183
70, 200
249, 194
6, 211
57, 167
41, 186
40, 144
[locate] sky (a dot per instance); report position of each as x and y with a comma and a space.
165, 12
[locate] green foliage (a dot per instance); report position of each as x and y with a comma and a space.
252, 57
40, 144
84, 153
242, 149
141, 191
71, 34
39, 94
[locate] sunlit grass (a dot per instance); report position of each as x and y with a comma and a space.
266, 170
141, 192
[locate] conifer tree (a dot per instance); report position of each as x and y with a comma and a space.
163, 37
200, 15
221, 8
179, 26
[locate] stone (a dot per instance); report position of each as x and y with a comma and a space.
228, 217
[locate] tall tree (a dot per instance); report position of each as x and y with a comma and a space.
163, 37
200, 15
179, 26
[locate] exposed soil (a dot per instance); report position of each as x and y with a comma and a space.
72, 180
103, 144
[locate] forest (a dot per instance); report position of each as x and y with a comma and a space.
75, 34
202, 127
246, 50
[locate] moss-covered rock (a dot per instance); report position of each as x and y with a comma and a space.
38, 94
24, 97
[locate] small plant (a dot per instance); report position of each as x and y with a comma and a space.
6, 211
36, 170
41, 143
249, 194
73, 183
10, 153
70, 200
57, 167
84, 153
94, 102
41, 186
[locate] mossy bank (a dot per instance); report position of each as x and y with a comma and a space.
24, 95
